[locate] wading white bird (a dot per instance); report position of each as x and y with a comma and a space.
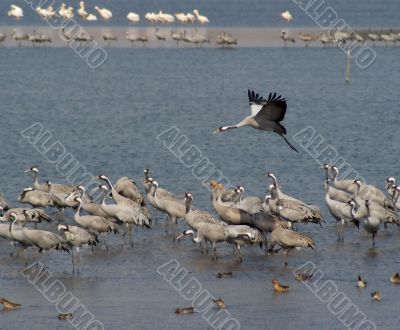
133, 17
200, 18
266, 114
104, 13
84, 14
16, 12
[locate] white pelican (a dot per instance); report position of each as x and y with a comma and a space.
190, 17
151, 17
104, 13
286, 15
201, 19
181, 17
66, 13
165, 18
84, 14
46, 13
16, 12
133, 17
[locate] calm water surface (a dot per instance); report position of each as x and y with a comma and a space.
109, 120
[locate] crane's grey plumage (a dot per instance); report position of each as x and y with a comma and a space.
341, 212
76, 237
27, 215
214, 233
288, 239
128, 188
266, 114
334, 193
372, 224
94, 223
56, 187
36, 198
174, 208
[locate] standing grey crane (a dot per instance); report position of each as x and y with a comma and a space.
130, 36
159, 35
229, 214
196, 217
27, 215
94, 223
286, 37
372, 224
175, 209
345, 185
56, 187
334, 193
44, 240
266, 114
36, 198
61, 200
76, 237
288, 239
19, 37
109, 37
17, 235
126, 214
2, 37
214, 234
306, 38
177, 36
90, 207
340, 211
122, 200
249, 204
378, 207
129, 189
292, 210
373, 194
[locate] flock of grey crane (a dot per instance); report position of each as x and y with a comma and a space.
186, 38
340, 38
262, 221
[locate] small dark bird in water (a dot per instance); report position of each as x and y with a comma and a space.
9, 304
361, 283
184, 310
266, 115
303, 277
224, 275
376, 296
395, 278
65, 316
219, 303
278, 287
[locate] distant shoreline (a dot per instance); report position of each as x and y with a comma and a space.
246, 36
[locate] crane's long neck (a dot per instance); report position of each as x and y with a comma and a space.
35, 178
78, 209
335, 174
188, 204
11, 226
326, 173
103, 201
155, 191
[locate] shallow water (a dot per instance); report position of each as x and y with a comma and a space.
356, 13
109, 120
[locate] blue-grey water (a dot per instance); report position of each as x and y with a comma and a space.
365, 13
109, 119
